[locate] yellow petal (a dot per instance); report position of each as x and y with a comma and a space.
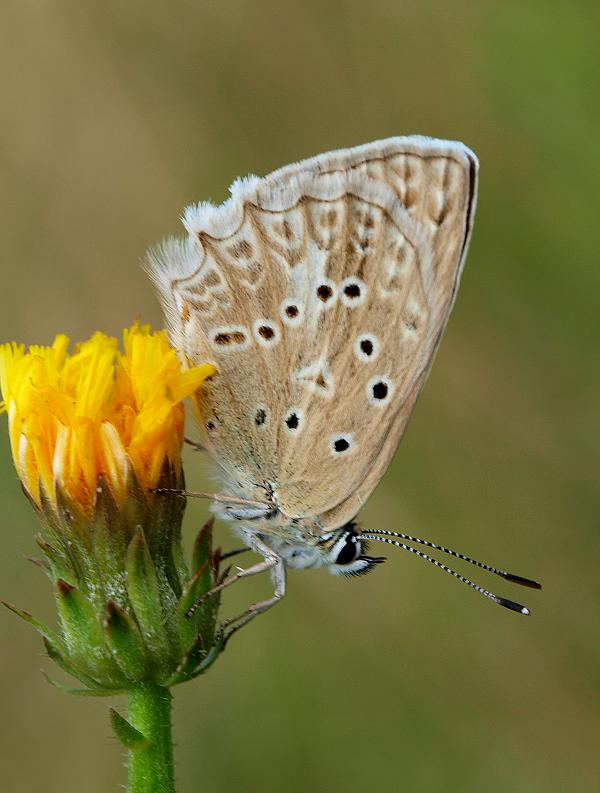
75, 416
115, 461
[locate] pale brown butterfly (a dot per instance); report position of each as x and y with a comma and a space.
320, 293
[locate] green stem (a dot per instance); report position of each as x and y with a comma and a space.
151, 767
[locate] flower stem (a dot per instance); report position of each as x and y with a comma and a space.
151, 766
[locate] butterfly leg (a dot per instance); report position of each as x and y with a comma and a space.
233, 624
271, 561
236, 552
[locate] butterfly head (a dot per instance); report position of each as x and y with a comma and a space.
345, 552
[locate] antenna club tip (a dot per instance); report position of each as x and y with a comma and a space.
519, 579
510, 604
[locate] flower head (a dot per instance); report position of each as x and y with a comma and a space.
95, 412
91, 433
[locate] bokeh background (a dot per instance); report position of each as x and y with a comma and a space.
114, 117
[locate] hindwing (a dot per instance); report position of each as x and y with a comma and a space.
320, 292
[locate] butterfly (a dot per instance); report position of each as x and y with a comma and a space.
320, 293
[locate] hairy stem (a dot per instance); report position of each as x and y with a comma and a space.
151, 766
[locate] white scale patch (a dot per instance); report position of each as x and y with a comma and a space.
411, 318
400, 262
317, 377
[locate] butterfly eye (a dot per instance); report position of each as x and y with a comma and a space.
347, 548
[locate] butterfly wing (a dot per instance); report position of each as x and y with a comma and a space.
320, 293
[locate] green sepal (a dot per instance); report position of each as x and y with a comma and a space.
205, 564
124, 641
212, 655
68, 529
201, 552
194, 589
144, 595
59, 659
80, 626
58, 564
131, 738
179, 566
83, 635
72, 526
163, 530
188, 671
42, 629
134, 507
82, 692
111, 538
42, 564
189, 662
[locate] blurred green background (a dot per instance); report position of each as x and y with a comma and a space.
114, 117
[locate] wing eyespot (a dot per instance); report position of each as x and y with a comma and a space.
266, 332
379, 390
291, 312
294, 420
229, 337
326, 293
366, 347
353, 292
341, 444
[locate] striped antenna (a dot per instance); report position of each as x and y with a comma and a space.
516, 579
509, 604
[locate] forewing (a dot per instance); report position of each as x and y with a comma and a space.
320, 292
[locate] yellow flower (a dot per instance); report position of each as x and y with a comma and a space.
96, 411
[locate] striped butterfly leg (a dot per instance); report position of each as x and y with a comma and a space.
271, 561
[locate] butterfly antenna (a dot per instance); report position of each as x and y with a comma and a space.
212, 496
509, 604
516, 579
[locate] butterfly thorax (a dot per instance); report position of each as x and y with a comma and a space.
269, 520
300, 541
